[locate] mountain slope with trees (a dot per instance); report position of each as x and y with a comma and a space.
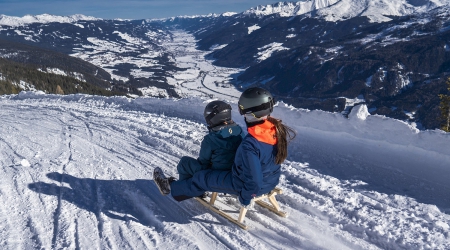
445, 108
15, 77
46, 69
397, 67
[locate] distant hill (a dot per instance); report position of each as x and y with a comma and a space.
25, 67
127, 53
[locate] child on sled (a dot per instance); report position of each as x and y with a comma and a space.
218, 147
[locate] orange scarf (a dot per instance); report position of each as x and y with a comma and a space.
265, 132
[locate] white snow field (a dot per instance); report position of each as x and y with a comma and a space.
77, 174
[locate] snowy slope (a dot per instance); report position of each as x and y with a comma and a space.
76, 174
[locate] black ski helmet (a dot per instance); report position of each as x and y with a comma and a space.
256, 101
217, 113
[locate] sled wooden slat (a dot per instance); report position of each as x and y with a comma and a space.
273, 206
221, 213
269, 206
242, 214
213, 198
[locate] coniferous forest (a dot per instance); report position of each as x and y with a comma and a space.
17, 76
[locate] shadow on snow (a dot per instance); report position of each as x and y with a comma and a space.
127, 200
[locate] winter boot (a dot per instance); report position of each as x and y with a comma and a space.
161, 181
203, 196
171, 179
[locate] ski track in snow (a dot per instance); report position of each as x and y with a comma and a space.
89, 184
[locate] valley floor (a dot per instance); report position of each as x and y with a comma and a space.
201, 77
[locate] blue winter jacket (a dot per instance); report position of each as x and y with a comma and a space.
218, 148
254, 170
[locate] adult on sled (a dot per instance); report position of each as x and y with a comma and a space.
256, 168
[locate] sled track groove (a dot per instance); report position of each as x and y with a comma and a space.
35, 235
56, 215
67, 138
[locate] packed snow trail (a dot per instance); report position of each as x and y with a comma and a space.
77, 174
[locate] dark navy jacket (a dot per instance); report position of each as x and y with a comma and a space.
254, 170
218, 148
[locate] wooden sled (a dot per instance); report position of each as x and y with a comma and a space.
272, 205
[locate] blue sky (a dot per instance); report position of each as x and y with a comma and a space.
131, 9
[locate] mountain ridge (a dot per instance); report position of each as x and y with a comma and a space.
330, 10
338, 10
43, 18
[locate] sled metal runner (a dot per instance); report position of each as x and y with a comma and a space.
272, 205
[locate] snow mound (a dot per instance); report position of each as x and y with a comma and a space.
25, 163
359, 112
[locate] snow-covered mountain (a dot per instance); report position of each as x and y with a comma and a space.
44, 18
77, 174
287, 9
338, 10
329, 55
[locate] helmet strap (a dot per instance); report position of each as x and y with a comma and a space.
221, 125
252, 120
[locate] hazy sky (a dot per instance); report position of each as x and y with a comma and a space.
127, 9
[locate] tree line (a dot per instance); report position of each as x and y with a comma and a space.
12, 73
445, 108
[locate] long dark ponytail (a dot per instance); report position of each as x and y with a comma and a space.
284, 135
